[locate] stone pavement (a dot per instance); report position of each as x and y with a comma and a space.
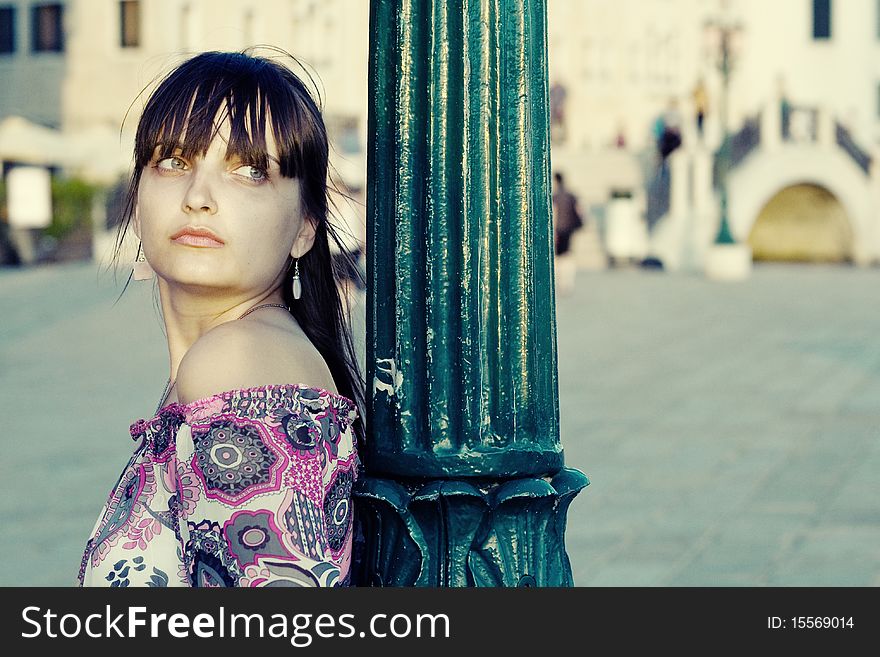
730, 430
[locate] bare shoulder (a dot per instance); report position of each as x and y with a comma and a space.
244, 354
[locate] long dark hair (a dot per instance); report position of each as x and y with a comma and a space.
257, 94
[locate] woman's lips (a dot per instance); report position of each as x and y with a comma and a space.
188, 239
197, 237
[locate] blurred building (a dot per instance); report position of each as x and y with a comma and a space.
621, 62
79, 66
803, 117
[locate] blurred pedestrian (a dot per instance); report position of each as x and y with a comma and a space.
350, 226
567, 220
620, 137
558, 94
701, 106
254, 434
658, 127
670, 135
784, 109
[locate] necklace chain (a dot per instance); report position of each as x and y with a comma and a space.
247, 312
263, 305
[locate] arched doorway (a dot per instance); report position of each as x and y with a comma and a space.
802, 223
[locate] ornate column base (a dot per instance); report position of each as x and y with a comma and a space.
459, 533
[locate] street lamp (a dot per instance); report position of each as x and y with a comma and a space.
726, 259
722, 35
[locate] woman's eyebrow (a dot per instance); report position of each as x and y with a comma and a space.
237, 156
165, 147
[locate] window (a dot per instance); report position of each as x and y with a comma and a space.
821, 19
130, 23
7, 30
47, 31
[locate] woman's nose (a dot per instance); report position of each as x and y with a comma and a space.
199, 196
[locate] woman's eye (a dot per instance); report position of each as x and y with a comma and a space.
172, 163
251, 172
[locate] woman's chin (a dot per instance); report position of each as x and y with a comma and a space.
192, 276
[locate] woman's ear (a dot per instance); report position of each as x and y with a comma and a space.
304, 239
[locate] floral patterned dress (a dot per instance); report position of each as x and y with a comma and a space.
245, 488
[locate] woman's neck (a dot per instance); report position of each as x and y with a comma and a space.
188, 316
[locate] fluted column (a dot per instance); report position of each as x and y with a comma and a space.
466, 483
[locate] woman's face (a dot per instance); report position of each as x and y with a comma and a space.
220, 224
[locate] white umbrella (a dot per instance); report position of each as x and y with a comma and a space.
97, 153
30, 143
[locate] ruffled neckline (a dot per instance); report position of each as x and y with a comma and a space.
176, 412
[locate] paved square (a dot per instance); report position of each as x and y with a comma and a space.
730, 431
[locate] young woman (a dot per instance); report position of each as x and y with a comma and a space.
243, 476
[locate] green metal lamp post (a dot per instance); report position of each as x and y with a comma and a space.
466, 484
726, 259
726, 31
724, 235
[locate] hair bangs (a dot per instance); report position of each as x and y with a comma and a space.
186, 112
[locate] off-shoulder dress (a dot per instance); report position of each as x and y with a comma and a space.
249, 487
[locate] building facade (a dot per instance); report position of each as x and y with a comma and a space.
622, 62
81, 66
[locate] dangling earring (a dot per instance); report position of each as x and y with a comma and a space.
297, 285
141, 270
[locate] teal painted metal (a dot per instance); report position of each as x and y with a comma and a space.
465, 485
466, 533
725, 65
463, 357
